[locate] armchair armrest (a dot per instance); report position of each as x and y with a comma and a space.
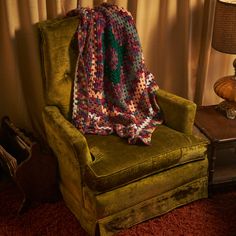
179, 113
61, 130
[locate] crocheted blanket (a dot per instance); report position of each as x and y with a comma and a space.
113, 91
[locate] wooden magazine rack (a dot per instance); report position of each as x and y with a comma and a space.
33, 170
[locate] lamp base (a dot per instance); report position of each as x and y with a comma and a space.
226, 89
229, 108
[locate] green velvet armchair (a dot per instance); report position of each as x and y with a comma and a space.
108, 184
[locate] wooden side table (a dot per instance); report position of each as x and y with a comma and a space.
221, 133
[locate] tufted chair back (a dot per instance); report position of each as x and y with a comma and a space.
59, 48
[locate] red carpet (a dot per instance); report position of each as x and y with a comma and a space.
209, 217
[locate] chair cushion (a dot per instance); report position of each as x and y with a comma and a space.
117, 163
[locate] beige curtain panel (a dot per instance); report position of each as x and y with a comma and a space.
175, 36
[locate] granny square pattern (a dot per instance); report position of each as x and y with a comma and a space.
113, 92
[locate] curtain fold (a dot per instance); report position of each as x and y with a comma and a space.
205, 49
169, 42
175, 37
12, 102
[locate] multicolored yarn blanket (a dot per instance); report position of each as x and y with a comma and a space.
113, 91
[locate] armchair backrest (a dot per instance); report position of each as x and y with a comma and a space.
58, 47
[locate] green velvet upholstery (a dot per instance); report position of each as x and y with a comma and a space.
108, 184
179, 113
59, 54
118, 163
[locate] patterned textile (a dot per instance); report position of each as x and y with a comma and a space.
113, 91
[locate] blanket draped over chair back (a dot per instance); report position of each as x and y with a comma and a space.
113, 91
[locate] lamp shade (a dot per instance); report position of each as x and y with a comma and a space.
224, 32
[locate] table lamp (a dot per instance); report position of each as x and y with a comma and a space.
224, 40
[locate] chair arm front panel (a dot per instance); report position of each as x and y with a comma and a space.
179, 113
64, 138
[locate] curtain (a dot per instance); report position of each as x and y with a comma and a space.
175, 37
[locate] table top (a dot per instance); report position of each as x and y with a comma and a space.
215, 125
